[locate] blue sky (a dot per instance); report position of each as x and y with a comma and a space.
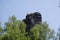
20, 8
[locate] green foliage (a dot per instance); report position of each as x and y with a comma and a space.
58, 34
15, 30
41, 32
0, 28
1, 31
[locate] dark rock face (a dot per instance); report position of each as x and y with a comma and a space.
32, 19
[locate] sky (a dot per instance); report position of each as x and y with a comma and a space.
49, 10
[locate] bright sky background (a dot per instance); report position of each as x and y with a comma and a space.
20, 8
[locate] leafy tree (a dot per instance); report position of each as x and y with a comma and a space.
41, 32
0, 29
15, 30
58, 34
